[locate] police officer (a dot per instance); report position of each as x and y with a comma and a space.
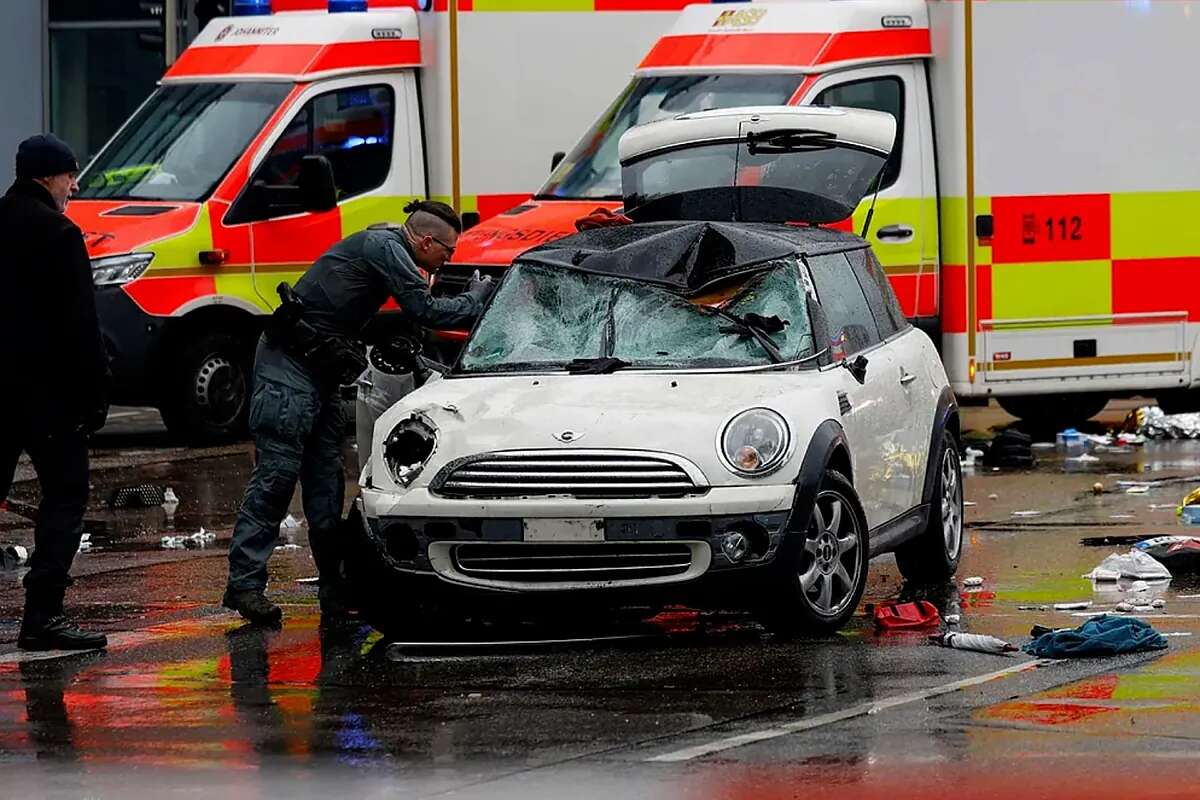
54, 377
310, 349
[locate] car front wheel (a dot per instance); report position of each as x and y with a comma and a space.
821, 574
934, 554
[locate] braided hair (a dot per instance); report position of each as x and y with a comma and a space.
440, 210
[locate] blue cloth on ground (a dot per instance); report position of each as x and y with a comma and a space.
1100, 636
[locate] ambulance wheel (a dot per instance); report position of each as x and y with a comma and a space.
1179, 401
209, 397
1052, 413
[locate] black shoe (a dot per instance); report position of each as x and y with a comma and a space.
254, 606
335, 603
57, 633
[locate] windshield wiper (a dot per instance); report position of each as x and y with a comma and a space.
756, 327
596, 366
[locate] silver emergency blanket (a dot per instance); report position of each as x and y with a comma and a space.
1153, 423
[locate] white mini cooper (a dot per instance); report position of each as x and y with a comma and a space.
713, 405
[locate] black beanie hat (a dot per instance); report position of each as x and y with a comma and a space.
44, 155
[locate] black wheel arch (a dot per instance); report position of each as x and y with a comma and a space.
217, 318
945, 418
827, 449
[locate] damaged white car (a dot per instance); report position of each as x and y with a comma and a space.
712, 405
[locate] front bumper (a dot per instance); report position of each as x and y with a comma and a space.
530, 546
131, 338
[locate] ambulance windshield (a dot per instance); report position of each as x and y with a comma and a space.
181, 143
591, 170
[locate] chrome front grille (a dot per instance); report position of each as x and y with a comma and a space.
578, 473
536, 566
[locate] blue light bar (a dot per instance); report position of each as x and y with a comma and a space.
251, 8
338, 6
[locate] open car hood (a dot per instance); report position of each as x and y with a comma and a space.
770, 164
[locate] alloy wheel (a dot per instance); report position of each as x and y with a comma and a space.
832, 563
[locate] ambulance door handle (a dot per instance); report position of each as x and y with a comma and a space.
895, 233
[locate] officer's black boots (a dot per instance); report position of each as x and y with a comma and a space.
254, 606
57, 633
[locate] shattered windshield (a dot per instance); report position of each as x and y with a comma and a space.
545, 318
181, 142
591, 170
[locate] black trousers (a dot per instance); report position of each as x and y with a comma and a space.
61, 461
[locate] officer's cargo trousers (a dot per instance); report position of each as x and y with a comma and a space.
298, 431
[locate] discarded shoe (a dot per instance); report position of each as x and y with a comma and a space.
253, 606
58, 633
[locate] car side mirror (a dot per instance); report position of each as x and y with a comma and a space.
556, 159
318, 190
857, 367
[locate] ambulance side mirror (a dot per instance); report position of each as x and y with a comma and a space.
556, 159
318, 190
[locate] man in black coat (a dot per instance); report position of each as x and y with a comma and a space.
53, 379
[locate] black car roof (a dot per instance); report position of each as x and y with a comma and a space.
687, 257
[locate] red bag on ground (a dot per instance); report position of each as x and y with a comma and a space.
893, 616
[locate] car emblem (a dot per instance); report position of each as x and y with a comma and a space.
568, 436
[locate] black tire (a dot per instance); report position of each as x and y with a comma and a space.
933, 556
1053, 413
1179, 401
814, 557
208, 393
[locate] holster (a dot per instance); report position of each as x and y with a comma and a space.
333, 360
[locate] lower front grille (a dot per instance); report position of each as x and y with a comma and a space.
533, 566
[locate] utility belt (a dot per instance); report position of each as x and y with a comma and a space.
334, 361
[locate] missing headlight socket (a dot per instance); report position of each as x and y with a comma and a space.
408, 447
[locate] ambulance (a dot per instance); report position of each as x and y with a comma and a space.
298, 122
1040, 215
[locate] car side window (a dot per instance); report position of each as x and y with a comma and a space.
351, 127
877, 94
852, 326
878, 291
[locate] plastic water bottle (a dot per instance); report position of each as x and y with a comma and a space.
972, 641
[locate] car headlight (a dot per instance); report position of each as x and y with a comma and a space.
755, 443
408, 447
116, 270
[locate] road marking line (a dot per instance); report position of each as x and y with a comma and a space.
862, 709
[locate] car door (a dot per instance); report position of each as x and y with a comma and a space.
916, 395
363, 128
872, 414
904, 224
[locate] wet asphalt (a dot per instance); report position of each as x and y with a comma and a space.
187, 700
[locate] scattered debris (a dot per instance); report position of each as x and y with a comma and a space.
1026, 513
290, 522
1158, 603
1179, 554
974, 580
199, 539
172, 542
170, 501
1083, 458
13, 556
968, 504
973, 641
287, 547
1135, 564
1080, 605
1097, 488
952, 619
85, 543
474, 695
1012, 449
893, 615
1121, 516
143, 496
314, 579
1137, 490
971, 452
993, 497
1190, 515
1152, 422
1100, 636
